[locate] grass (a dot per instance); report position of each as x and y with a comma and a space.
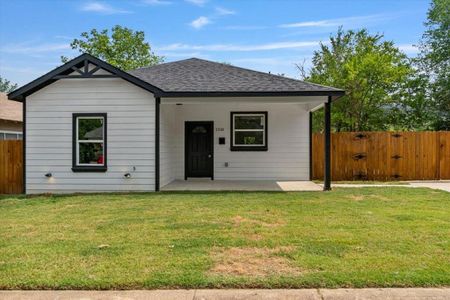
372, 237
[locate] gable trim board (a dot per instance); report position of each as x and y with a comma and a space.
135, 122
64, 71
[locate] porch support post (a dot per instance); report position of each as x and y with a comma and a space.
310, 146
157, 113
327, 150
24, 145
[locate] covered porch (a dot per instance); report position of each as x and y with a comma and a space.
207, 125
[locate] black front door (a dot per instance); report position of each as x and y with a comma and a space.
199, 149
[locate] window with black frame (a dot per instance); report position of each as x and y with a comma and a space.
89, 142
248, 131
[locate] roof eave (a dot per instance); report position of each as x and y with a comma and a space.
335, 94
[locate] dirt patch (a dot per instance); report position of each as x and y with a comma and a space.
252, 262
254, 237
239, 221
379, 197
356, 197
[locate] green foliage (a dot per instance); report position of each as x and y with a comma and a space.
125, 48
412, 108
370, 70
434, 60
6, 86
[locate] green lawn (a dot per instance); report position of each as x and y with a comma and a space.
371, 237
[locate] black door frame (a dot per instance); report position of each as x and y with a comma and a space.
186, 135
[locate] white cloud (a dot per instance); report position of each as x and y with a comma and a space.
182, 54
244, 27
408, 49
156, 2
102, 8
63, 37
197, 2
200, 22
32, 48
234, 47
352, 21
221, 11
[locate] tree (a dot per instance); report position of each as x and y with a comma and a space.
370, 70
125, 48
412, 108
434, 60
6, 86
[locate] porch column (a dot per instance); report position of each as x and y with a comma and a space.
310, 146
327, 143
157, 113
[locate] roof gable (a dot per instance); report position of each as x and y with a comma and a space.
80, 67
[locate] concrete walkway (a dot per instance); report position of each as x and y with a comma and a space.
201, 184
443, 185
307, 294
437, 185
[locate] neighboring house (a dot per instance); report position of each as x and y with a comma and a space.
10, 119
93, 127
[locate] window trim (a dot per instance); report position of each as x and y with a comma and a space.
85, 167
248, 147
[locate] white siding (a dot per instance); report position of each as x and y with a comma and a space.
131, 131
168, 143
287, 157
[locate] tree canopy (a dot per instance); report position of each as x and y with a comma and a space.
384, 88
7, 86
434, 60
370, 70
124, 48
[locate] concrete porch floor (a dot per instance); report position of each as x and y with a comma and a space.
203, 184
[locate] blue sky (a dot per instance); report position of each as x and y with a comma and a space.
263, 35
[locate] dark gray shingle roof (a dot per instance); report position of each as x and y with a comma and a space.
198, 75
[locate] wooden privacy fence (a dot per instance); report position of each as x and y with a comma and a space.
384, 155
11, 170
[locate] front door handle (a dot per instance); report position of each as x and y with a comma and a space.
209, 155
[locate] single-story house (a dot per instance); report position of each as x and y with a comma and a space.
10, 119
89, 126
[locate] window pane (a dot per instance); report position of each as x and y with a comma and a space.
248, 122
249, 138
199, 129
91, 153
19, 136
90, 129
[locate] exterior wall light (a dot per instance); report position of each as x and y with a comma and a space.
127, 175
48, 175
